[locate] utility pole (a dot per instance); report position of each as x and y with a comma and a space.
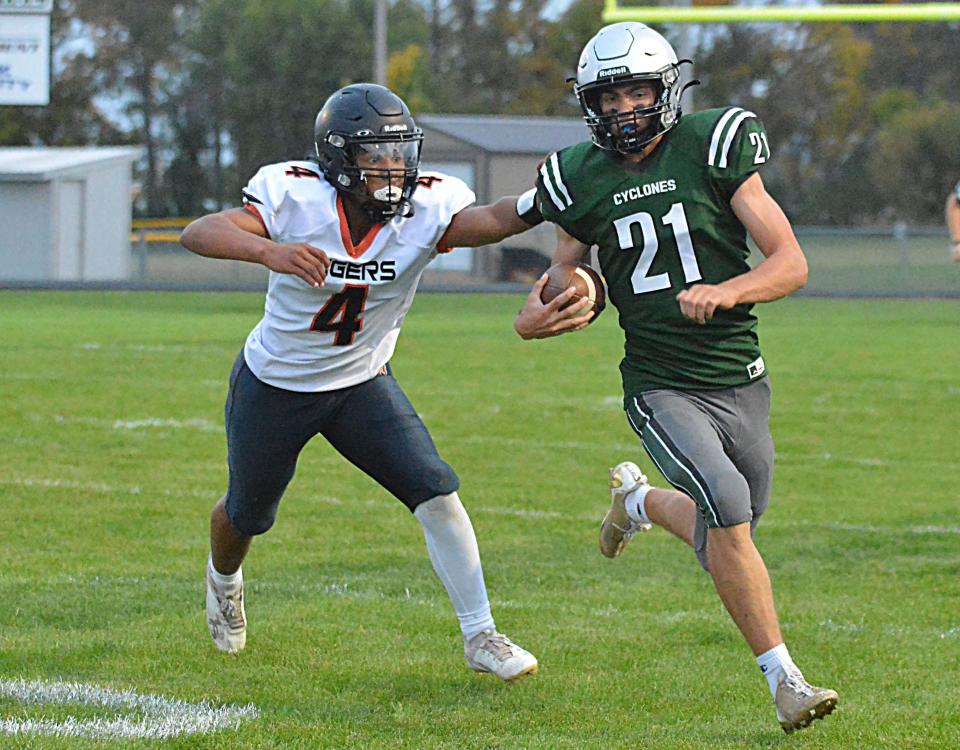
380, 42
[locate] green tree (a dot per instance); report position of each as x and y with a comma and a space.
284, 58
915, 160
198, 176
807, 84
137, 54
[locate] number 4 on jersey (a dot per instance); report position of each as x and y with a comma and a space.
341, 315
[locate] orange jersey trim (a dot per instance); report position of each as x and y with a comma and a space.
250, 208
355, 251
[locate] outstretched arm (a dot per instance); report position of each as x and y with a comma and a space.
486, 225
236, 234
953, 224
538, 320
782, 271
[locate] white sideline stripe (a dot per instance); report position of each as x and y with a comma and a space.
162, 718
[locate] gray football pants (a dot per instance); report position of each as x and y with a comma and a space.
714, 446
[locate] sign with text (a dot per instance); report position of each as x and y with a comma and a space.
24, 59
26, 6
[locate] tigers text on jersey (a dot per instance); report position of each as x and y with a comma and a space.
344, 332
660, 227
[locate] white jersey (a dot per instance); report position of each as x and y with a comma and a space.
345, 332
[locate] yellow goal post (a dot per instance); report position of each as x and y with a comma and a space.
711, 13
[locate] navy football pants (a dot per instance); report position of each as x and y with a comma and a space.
372, 424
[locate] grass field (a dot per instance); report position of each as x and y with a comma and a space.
113, 453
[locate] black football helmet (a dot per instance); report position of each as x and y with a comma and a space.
370, 121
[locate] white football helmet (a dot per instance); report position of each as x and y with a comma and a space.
619, 53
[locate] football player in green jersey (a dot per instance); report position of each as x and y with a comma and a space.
668, 201
953, 222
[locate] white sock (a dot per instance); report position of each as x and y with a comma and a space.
634, 503
453, 550
773, 663
228, 582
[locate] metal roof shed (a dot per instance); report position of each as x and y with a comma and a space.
504, 150
500, 153
65, 213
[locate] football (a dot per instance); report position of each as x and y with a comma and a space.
583, 278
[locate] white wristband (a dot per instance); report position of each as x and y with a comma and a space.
527, 208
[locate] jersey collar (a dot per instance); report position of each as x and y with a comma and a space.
354, 251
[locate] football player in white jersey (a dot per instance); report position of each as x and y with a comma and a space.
346, 240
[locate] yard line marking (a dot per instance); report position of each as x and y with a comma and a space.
203, 425
134, 489
871, 529
827, 457
533, 514
162, 348
160, 717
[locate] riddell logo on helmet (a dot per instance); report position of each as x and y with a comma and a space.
393, 128
613, 71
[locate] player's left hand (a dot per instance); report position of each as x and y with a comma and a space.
700, 301
955, 252
539, 320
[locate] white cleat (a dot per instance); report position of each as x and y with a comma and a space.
490, 651
225, 617
799, 703
617, 528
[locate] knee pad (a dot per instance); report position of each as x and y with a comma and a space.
436, 480
254, 517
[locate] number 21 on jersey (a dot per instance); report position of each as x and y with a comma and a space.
676, 219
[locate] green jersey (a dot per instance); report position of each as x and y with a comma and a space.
662, 226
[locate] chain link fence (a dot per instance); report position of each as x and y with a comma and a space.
893, 261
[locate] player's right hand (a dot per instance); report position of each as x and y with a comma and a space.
300, 259
539, 321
